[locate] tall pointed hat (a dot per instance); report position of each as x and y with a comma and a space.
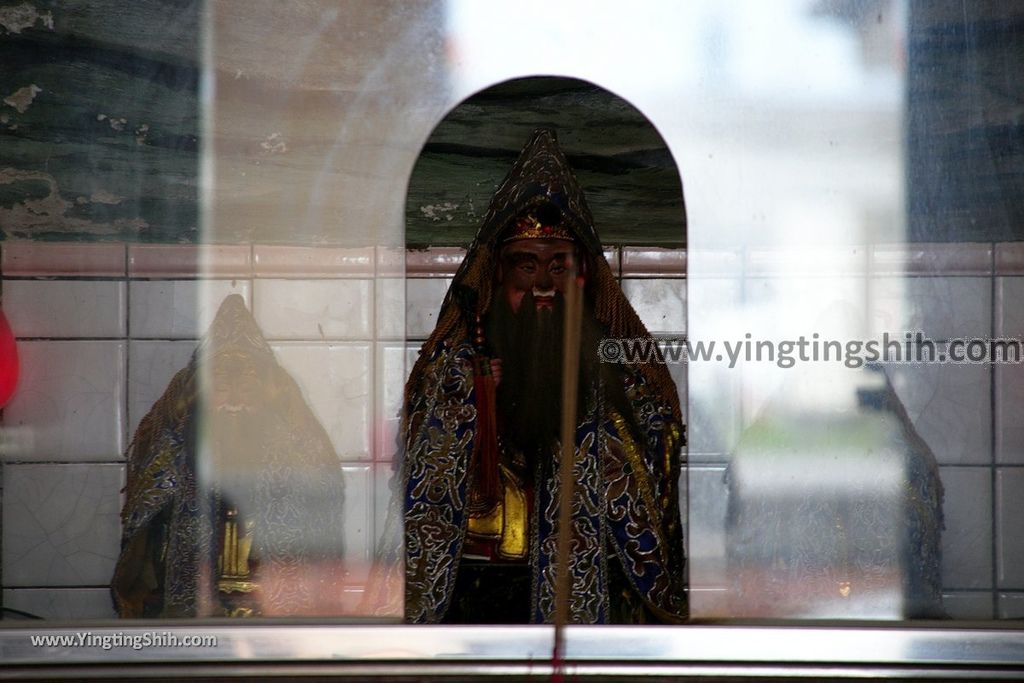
167, 536
541, 182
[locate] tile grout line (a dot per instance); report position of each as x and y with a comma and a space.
126, 381
993, 426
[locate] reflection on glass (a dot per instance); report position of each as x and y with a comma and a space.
234, 503
811, 488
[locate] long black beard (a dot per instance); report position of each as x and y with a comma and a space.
235, 448
530, 344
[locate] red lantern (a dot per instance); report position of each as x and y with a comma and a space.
8, 361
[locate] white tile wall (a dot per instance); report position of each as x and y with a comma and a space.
1010, 306
69, 405
1009, 378
62, 603
151, 366
65, 308
382, 501
968, 604
315, 309
941, 308
967, 540
708, 503
1009, 524
950, 406
336, 381
394, 363
1011, 606
178, 309
390, 299
660, 303
61, 524
1009, 398
359, 520
409, 308
834, 307
423, 297
714, 411
712, 305
77, 402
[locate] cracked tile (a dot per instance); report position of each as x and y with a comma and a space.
314, 309
179, 309
69, 404
61, 524
336, 382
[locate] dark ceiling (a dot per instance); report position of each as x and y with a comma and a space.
628, 174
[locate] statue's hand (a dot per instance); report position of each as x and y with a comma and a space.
496, 370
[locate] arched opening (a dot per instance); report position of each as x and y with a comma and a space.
610, 173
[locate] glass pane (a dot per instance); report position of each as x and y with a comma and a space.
229, 227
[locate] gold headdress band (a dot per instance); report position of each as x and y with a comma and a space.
530, 227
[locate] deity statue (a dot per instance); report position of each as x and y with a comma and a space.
480, 431
233, 504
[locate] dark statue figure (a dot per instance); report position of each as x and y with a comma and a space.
234, 499
481, 423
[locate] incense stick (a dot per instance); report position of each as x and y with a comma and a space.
570, 381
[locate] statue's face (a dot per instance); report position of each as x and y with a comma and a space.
540, 266
237, 384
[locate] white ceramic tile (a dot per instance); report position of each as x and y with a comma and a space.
706, 542
1009, 258
390, 301
708, 498
652, 262
1010, 307
69, 404
713, 409
62, 603
28, 258
314, 309
968, 604
835, 307
276, 260
151, 366
1009, 406
678, 371
336, 382
434, 261
65, 308
383, 501
1009, 523
190, 260
805, 260
967, 539
61, 524
178, 309
394, 363
933, 259
358, 525
1011, 605
950, 406
660, 303
423, 297
939, 307
713, 304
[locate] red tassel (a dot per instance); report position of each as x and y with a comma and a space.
486, 489
487, 484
